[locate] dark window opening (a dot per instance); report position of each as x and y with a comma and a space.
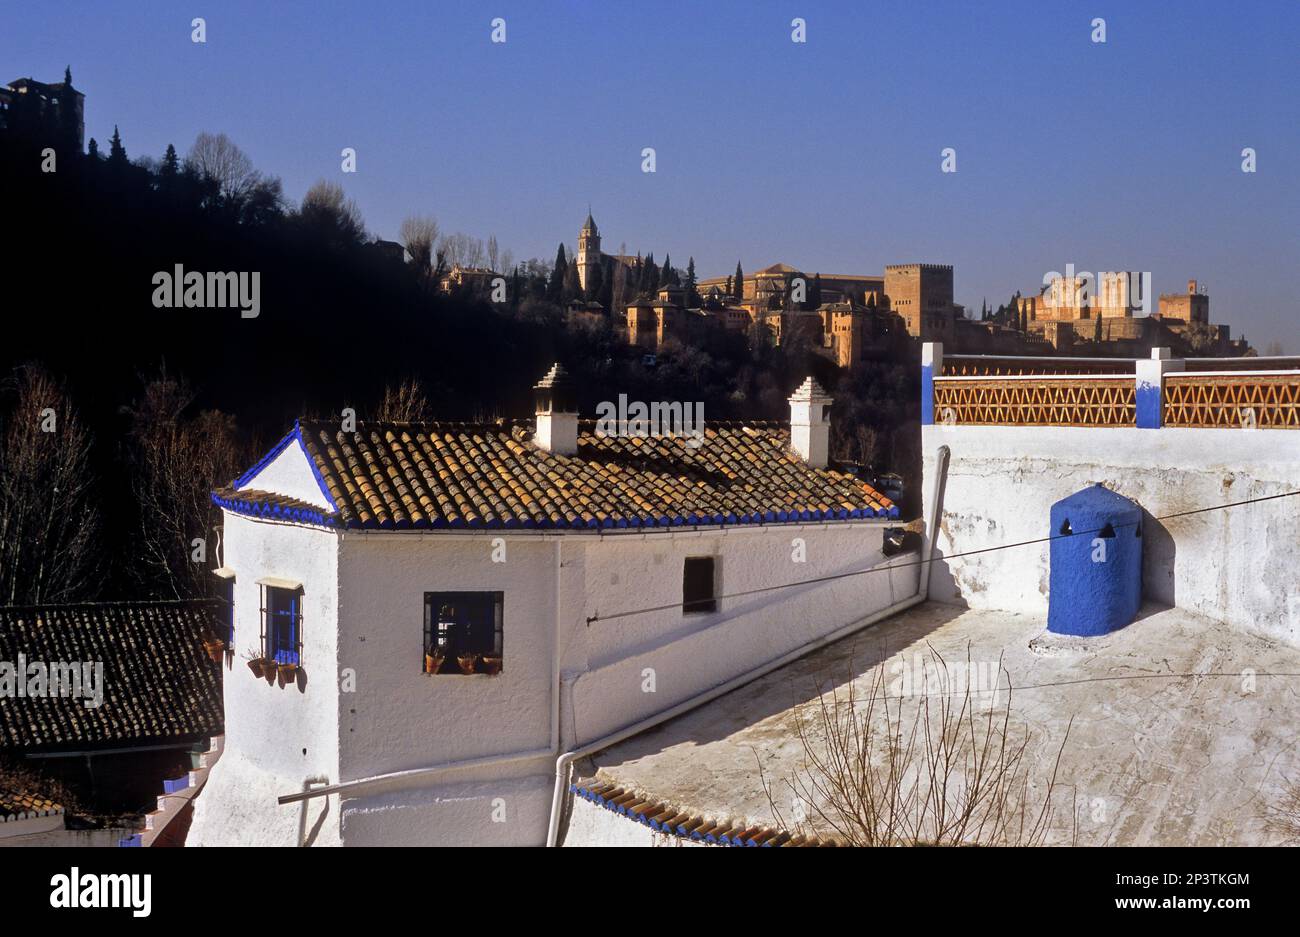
226, 610
1065, 528
282, 624
1108, 531
463, 632
697, 585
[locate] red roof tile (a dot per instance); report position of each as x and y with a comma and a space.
492, 475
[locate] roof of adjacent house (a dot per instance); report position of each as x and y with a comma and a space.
492, 475
158, 682
25, 805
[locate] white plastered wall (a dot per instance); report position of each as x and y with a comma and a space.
276, 737
1236, 565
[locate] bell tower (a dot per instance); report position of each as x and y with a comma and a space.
588, 250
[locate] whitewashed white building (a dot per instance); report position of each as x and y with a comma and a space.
565, 587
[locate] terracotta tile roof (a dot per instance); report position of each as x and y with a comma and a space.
23, 805
158, 682
491, 475
671, 821
257, 503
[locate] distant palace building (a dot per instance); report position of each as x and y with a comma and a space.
858, 317
476, 279
591, 258
1192, 306
45, 101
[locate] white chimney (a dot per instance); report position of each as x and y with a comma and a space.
810, 423
557, 413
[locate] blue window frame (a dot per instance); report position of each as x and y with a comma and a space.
282, 624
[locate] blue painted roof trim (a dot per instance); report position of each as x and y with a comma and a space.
323, 518
277, 512
294, 435
725, 837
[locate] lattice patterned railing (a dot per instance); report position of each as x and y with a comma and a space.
1070, 401
1270, 401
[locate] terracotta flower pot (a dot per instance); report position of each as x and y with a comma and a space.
216, 650
467, 662
433, 663
492, 665
286, 671
258, 666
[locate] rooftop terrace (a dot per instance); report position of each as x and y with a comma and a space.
1172, 742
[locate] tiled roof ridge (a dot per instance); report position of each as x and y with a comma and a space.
645, 809
39, 606
334, 425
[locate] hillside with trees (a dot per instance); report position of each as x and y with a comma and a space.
154, 407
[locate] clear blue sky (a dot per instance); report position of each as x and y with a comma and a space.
824, 155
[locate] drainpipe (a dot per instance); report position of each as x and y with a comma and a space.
489, 761
416, 774
936, 516
555, 651
566, 760
302, 814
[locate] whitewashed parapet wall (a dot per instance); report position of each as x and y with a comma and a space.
1236, 565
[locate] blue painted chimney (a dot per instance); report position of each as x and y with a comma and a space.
1096, 563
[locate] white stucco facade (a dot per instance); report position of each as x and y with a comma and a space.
364, 707
275, 735
1236, 565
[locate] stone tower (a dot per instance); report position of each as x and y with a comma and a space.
588, 250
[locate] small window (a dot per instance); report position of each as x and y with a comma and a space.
463, 632
282, 624
697, 585
226, 608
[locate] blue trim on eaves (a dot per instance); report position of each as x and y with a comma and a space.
276, 512
321, 518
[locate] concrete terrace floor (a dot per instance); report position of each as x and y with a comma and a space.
1154, 756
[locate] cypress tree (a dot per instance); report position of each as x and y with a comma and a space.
572, 288
171, 164
666, 274
650, 275
692, 294
738, 283
68, 128
116, 151
556, 285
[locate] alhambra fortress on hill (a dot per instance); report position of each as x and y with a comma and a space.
860, 317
